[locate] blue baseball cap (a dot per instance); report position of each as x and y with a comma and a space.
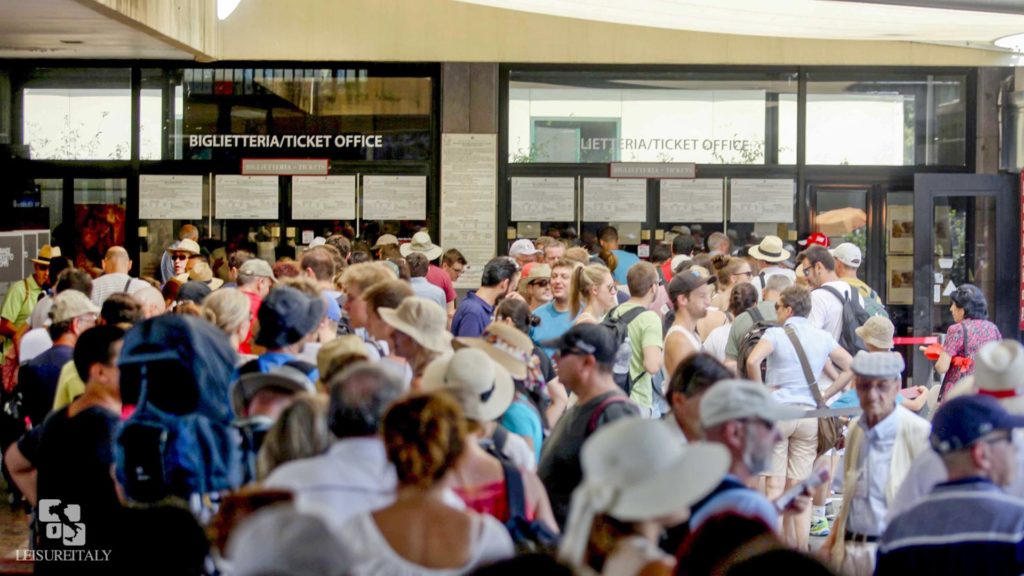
962, 421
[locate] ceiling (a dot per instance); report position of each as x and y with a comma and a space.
68, 29
971, 23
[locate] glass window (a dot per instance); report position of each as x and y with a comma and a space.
886, 121
322, 113
99, 220
841, 214
77, 114
598, 117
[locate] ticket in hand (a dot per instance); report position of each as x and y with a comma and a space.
809, 484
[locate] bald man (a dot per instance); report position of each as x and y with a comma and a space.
152, 301
115, 278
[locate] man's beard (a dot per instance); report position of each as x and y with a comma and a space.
755, 463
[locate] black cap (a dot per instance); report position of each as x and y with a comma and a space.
286, 315
592, 339
194, 291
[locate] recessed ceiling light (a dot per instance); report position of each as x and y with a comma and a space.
1013, 42
71, 42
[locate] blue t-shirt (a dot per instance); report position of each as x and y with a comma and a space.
742, 501
521, 419
472, 316
552, 325
625, 261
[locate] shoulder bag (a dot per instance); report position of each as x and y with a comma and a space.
830, 429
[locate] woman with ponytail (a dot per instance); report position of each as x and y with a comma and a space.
592, 294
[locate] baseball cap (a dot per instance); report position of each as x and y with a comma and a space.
592, 339
887, 365
816, 238
689, 280
737, 399
287, 315
523, 247
962, 421
848, 254
286, 378
71, 304
257, 267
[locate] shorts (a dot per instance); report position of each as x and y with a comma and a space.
794, 455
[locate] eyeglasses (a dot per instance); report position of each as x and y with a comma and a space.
613, 289
541, 283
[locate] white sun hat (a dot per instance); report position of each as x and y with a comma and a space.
483, 388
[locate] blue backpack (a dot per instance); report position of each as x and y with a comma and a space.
179, 442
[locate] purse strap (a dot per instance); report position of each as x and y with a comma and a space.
812, 382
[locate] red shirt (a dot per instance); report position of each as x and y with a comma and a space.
255, 300
666, 270
442, 280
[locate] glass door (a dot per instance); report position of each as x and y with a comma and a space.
964, 233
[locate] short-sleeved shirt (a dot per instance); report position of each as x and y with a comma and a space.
785, 375
522, 419
74, 457
255, 300
559, 467
552, 325
108, 284
827, 310
979, 333
69, 386
441, 279
624, 261
644, 331
38, 379
472, 316
742, 324
18, 305
424, 289
742, 501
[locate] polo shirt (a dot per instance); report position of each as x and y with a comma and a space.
472, 316
441, 279
552, 325
18, 304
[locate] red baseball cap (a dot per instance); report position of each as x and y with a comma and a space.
816, 238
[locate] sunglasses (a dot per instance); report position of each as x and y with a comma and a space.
541, 283
179, 257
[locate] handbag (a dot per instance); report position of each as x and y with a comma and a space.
830, 429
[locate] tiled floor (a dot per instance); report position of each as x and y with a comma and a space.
13, 536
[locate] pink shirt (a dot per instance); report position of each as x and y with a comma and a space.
442, 280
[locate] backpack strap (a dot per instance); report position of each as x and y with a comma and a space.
499, 438
515, 491
755, 314
628, 317
127, 285
599, 411
812, 382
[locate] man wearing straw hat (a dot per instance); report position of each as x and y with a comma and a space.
422, 243
769, 255
21, 300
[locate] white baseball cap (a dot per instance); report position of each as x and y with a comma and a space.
848, 254
523, 247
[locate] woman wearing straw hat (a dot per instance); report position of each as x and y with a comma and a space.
484, 390
637, 480
420, 335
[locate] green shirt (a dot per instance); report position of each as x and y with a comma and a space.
644, 331
18, 305
742, 324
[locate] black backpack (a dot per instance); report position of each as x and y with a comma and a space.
750, 340
854, 316
624, 353
528, 536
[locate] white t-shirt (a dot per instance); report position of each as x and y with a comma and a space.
371, 555
827, 310
785, 376
768, 272
717, 340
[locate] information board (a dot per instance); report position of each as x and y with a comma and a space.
246, 197
698, 200
394, 197
543, 200
759, 200
170, 197
469, 171
323, 197
614, 199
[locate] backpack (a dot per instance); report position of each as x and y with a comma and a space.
854, 316
178, 443
495, 445
619, 328
528, 536
874, 307
750, 340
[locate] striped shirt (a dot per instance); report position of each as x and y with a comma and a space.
967, 526
108, 284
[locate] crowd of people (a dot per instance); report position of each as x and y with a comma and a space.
582, 411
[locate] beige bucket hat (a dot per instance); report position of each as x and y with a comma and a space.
422, 320
421, 243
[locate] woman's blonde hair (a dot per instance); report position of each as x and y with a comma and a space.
227, 309
584, 278
424, 436
299, 432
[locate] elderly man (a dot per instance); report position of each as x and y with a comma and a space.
880, 447
354, 475
967, 525
999, 373
741, 415
116, 265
